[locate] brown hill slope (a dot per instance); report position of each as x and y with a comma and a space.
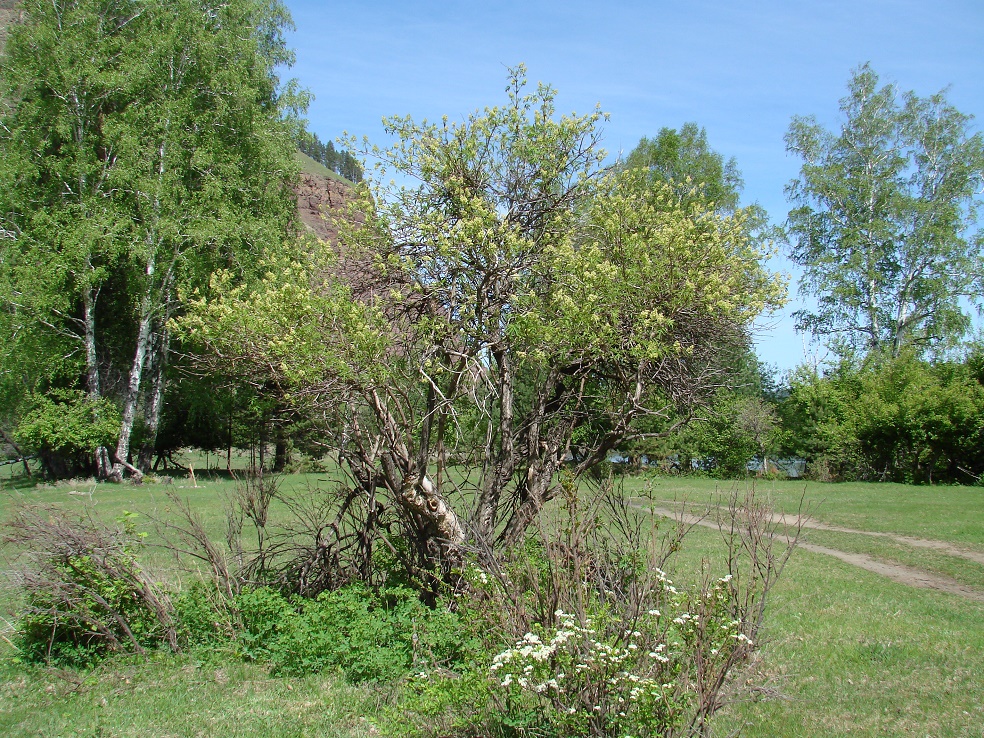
319, 193
8, 12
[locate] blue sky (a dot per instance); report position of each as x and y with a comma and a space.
740, 69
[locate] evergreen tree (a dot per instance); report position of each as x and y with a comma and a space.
341, 163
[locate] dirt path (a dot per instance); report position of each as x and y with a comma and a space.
906, 575
942, 546
898, 573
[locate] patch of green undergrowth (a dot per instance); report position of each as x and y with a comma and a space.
370, 635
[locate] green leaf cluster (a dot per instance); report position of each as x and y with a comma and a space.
67, 424
290, 328
369, 635
901, 419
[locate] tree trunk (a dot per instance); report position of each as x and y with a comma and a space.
281, 453
229, 447
536, 491
504, 458
17, 450
441, 525
133, 386
93, 388
441, 530
261, 446
155, 401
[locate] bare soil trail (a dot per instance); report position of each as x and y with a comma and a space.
942, 546
906, 575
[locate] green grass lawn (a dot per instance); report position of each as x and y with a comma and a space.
850, 652
847, 652
181, 696
945, 513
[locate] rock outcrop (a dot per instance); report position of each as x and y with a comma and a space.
8, 13
319, 200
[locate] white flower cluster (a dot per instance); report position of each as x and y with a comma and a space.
530, 651
576, 661
625, 670
477, 574
659, 654
665, 581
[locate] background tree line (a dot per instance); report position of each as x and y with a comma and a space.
900, 419
114, 212
340, 162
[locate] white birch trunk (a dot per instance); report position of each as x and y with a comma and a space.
136, 375
158, 361
93, 388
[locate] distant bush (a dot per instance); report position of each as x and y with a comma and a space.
899, 419
64, 428
85, 593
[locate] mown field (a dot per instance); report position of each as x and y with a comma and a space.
848, 652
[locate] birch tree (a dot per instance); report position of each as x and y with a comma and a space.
884, 220
146, 143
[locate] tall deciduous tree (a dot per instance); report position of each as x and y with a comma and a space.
518, 296
685, 161
883, 216
145, 144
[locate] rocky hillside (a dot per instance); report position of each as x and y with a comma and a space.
7, 14
320, 192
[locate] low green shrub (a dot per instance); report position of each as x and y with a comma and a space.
369, 635
85, 594
264, 615
203, 617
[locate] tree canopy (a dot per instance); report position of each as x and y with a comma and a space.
685, 161
884, 217
516, 305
